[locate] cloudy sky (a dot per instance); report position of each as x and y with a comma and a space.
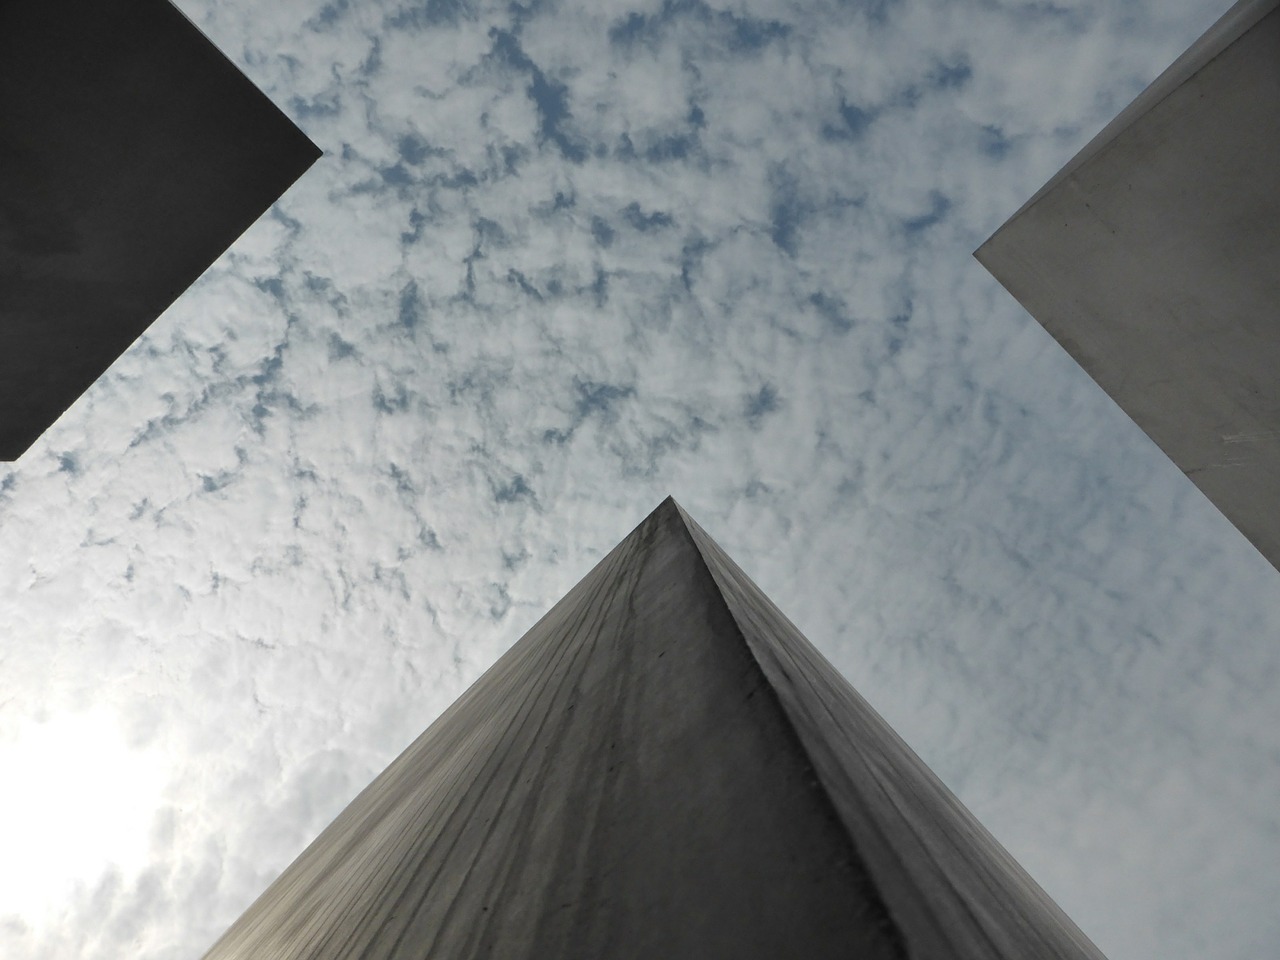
558, 261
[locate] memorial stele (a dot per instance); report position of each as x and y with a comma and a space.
662, 767
132, 154
1153, 257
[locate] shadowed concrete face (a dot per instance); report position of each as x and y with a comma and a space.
661, 767
1153, 257
132, 153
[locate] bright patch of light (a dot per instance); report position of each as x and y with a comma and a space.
75, 800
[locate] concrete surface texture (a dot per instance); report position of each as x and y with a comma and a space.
1153, 257
132, 153
661, 767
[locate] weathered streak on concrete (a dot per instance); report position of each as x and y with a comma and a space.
661, 767
1153, 257
132, 153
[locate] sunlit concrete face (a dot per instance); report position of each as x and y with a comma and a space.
132, 153
662, 767
1153, 257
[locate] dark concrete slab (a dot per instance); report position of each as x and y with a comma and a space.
1153, 257
662, 767
132, 153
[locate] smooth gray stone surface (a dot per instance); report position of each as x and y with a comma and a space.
132, 153
1153, 257
662, 767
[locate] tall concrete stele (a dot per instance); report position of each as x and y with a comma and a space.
1153, 257
662, 767
132, 153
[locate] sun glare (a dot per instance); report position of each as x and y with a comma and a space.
75, 800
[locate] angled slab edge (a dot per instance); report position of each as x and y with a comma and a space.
951, 888
132, 154
627, 781
1238, 20
1151, 258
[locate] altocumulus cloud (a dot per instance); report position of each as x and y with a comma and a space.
562, 259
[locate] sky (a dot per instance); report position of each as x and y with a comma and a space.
558, 261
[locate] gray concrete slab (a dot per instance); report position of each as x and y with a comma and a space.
1153, 257
662, 767
132, 153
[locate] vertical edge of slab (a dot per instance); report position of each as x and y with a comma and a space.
952, 889
1228, 28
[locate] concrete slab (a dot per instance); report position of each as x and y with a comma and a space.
1153, 257
662, 767
132, 153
